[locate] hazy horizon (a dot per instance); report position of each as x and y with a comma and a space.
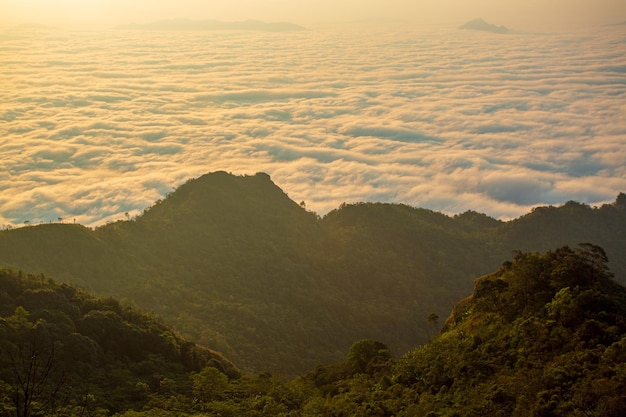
555, 15
99, 123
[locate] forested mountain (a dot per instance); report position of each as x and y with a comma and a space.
544, 335
65, 352
234, 264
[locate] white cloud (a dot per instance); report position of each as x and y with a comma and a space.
96, 124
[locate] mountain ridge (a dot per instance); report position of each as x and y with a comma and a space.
233, 263
211, 25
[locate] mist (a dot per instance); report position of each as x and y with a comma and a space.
97, 124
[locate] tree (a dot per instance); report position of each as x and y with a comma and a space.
33, 376
209, 384
620, 201
33, 368
366, 356
433, 318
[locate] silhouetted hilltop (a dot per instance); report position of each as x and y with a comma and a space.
481, 25
188, 24
233, 263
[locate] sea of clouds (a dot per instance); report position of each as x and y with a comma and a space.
94, 125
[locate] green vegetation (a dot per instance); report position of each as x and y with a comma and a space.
66, 352
544, 335
233, 264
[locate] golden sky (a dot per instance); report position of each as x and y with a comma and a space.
519, 14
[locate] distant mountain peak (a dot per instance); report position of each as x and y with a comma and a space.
192, 25
481, 25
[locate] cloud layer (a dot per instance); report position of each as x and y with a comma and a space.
97, 124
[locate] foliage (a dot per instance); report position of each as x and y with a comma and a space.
368, 356
530, 341
63, 350
234, 264
544, 335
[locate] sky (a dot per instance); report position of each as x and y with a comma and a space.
98, 123
518, 14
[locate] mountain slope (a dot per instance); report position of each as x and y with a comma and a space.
227, 262
66, 352
234, 264
544, 335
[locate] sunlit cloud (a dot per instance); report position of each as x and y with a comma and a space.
99, 124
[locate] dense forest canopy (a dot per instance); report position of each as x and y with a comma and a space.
232, 263
544, 335
64, 351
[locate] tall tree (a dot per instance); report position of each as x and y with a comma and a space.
34, 376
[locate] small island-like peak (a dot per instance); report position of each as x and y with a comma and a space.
481, 25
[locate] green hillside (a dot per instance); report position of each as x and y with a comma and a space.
544, 335
65, 352
231, 262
